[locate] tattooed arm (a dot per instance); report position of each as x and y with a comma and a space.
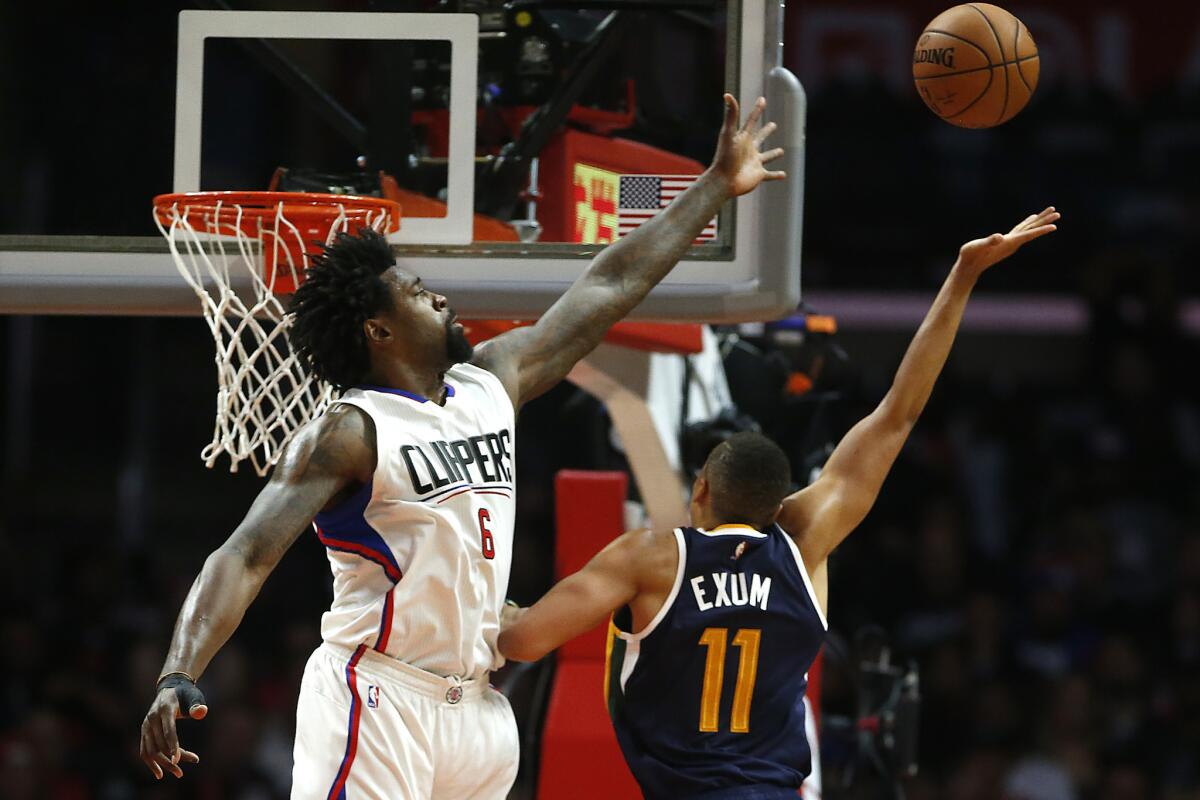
326, 461
531, 360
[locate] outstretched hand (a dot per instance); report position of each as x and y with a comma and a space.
739, 158
977, 255
160, 748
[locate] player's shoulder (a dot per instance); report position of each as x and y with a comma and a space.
651, 554
342, 441
494, 357
495, 360
483, 378
343, 422
646, 540
800, 515
472, 370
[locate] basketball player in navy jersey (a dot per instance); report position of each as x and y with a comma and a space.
409, 477
715, 626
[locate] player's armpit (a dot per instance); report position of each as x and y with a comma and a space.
501, 356
581, 601
819, 517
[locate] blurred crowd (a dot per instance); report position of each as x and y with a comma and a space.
882, 207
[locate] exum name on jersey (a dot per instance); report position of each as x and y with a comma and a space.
730, 589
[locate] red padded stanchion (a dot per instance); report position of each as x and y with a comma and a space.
580, 756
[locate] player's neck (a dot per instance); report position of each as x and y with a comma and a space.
425, 382
704, 519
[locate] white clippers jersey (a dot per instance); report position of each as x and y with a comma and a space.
421, 555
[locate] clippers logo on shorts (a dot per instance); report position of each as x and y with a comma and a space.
477, 459
372, 697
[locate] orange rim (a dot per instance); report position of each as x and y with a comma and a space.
296, 206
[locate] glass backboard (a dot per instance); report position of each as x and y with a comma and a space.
509, 132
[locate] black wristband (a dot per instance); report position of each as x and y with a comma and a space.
173, 681
186, 692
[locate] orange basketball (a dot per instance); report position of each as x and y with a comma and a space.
975, 65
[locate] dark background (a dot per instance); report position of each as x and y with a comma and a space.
1036, 549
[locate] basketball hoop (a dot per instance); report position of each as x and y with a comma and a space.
264, 394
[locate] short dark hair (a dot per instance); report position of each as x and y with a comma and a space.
342, 288
748, 476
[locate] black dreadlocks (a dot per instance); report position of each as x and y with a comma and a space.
342, 288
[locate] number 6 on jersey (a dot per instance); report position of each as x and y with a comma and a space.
488, 543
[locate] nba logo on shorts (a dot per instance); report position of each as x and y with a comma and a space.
372, 697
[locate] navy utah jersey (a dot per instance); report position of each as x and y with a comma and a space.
708, 699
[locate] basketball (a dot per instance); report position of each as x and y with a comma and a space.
975, 65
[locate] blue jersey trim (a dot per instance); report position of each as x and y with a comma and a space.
345, 528
410, 395
347, 513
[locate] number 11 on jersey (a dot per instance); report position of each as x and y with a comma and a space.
746, 640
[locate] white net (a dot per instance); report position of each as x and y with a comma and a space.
264, 395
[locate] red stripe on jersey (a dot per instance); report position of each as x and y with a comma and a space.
385, 624
369, 553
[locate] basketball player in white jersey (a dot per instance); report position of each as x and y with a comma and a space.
409, 478
684, 730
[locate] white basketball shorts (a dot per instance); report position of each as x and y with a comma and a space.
371, 727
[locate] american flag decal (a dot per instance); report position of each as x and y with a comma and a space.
643, 196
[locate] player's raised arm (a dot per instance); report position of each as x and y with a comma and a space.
332, 454
638, 566
531, 360
823, 514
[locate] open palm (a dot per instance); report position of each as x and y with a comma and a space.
738, 156
979, 254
